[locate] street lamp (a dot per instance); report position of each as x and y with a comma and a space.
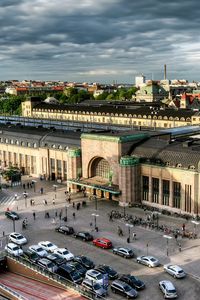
55, 189
129, 231
124, 205
195, 226
34, 182
66, 207
13, 225
95, 221
95, 199
167, 237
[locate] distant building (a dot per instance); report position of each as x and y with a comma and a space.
139, 80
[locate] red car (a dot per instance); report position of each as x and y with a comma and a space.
103, 243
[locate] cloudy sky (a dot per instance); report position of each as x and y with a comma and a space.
99, 40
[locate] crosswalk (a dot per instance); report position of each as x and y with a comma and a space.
6, 199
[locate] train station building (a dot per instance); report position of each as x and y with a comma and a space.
155, 168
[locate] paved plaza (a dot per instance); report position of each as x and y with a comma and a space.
147, 241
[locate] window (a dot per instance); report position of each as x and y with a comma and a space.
165, 190
145, 190
188, 200
101, 168
176, 194
155, 190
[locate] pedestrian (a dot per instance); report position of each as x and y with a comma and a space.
73, 205
183, 227
56, 213
45, 201
69, 200
15, 196
179, 247
74, 215
24, 186
28, 185
31, 185
34, 216
65, 193
134, 235
110, 217
53, 202
31, 203
26, 222
60, 215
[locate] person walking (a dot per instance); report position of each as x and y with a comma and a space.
53, 202
34, 216
74, 215
134, 236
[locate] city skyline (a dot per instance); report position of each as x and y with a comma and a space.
106, 41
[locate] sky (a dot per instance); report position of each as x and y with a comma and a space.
99, 40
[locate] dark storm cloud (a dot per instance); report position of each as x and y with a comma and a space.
85, 39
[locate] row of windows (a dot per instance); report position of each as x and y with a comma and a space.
114, 115
30, 145
155, 188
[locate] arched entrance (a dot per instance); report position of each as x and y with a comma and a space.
101, 168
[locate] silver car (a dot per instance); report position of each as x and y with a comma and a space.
168, 289
96, 288
149, 261
174, 270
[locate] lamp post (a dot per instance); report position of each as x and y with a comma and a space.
167, 237
55, 190
95, 199
124, 205
34, 183
13, 225
129, 231
195, 226
95, 221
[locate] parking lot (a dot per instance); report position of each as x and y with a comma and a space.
44, 229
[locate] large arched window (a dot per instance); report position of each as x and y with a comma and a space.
101, 168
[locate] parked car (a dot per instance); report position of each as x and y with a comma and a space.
95, 276
174, 270
123, 251
78, 267
17, 238
112, 274
69, 273
85, 261
56, 259
13, 249
65, 229
122, 288
30, 256
133, 281
102, 243
48, 246
47, 264
64, 253
149, 261
85, 236
168, 289
12, 215
37, 249
95, 288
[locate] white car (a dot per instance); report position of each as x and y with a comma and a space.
13, 249
168, 289
95, 276
17, 238
38, 249
149, 261
174, 270
48, 246
64, 253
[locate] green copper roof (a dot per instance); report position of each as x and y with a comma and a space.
126, 161
115, 139
74, 152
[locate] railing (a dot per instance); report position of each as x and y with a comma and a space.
50, 275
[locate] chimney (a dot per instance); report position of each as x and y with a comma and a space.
165, 72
